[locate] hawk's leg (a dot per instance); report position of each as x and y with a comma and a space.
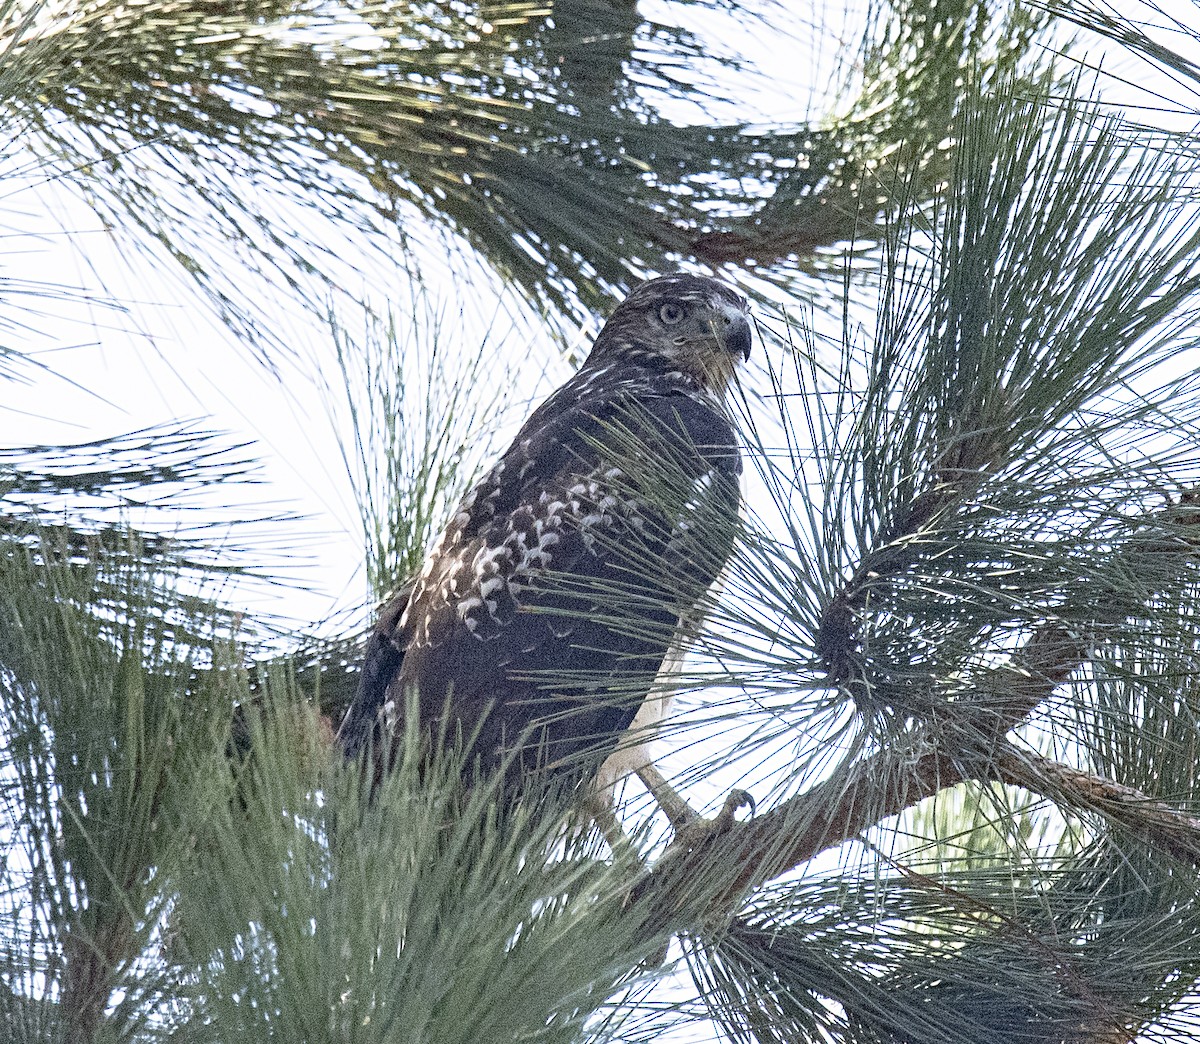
600, 808
678, 811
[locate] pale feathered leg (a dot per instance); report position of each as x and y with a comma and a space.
677, 810
637, 757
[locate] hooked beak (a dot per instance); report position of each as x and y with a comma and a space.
737, 335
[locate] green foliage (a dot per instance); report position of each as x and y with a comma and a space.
528, 134
1012, 443
965, 956
1016, 415
419, 410
83, 496
315, 910
105, 731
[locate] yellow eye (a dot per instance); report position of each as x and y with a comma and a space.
670, 313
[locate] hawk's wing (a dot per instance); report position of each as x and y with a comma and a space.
552, 597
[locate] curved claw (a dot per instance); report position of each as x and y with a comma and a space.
741, 799
734, 800
693, 833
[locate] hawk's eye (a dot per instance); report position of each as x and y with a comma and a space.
670, 313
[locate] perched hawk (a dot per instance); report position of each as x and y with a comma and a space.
547, 606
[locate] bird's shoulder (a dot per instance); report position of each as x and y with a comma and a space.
566, 491
601, 416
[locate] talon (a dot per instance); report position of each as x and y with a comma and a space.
735, 800
693, 833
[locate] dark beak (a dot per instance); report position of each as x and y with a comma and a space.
737, 337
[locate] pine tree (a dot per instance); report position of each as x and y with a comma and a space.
956, 656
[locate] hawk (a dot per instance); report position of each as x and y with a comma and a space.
544, 612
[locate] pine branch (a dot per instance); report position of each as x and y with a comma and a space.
841, 808
91, 971
898, 777
967, 744
1169, 829
959, 470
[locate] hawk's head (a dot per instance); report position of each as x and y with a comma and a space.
684, 322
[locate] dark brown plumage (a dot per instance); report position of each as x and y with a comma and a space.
547, 605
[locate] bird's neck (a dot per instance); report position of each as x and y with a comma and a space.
634, 364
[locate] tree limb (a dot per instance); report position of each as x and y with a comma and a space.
713, 877
1169, 829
